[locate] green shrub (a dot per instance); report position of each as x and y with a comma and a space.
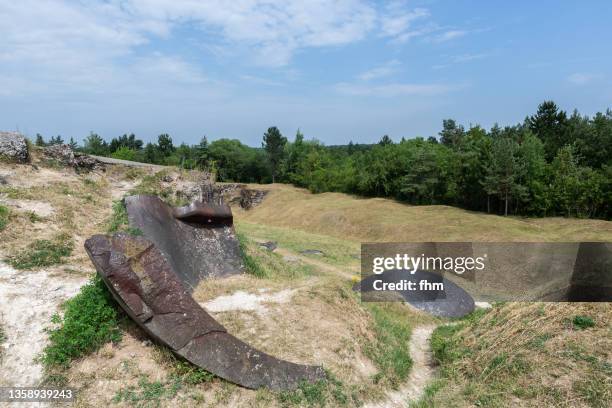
4, 217
583, 322
43, 252
89, 320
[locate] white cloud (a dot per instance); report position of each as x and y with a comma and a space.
394, 89
448, 35
583, 78
389, 68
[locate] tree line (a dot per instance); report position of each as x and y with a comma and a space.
551, 164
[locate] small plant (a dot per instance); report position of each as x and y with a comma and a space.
43, 252
2, 340
33, 217
253, 267
389, 351
89, 320
583, 322
315, 394
4, 216
149, 394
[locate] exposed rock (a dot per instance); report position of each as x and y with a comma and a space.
269, 245
14, 147
312, 252
67, 157
251, 198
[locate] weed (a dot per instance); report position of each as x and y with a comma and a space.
4, 216
89, 320
595, 390
149, 394
390, 351
33, 217
252, 265
43, 252
583, 322
445, 346
2, 340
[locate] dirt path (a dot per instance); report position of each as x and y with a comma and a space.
28, 299
344, 272
420, 375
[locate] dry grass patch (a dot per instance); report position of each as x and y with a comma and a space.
378, 219
534, 354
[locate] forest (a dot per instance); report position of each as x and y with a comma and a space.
551, 164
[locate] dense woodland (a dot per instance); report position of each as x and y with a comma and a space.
552, 164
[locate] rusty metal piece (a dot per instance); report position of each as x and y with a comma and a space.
198, 240
142, 280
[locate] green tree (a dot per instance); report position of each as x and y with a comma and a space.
451, 133
73, 144
94, 144
274, 144
40, 141
124, 153
501, 175
385, 140
202, 154
550, 125
164, 145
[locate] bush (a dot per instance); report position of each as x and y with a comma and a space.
89, 320
43, 252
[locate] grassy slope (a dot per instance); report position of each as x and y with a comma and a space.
519, 354
377, 219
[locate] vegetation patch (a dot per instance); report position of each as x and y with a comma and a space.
390, 351
251, 263
89, 320
318, 394
4, 216
43, 252
583, 322
119, 220
148, 393
523, 355
2, 340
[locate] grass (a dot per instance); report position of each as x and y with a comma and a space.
4, 216
43, 252
89, 320
583, 322
119, 220
2, 340
376, 219
390, 351
265, 264
318, 394
524, 355
148, 393
251, 264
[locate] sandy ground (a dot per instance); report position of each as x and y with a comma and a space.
420, 375
28, 299
244, 301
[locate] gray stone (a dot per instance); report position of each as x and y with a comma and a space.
14, 147
269, 245
312, 252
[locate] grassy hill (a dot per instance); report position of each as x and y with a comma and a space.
378, 219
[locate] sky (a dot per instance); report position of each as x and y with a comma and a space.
337, 70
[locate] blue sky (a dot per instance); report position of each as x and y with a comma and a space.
339, 71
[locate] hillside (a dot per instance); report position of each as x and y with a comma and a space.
296, 306
378, 219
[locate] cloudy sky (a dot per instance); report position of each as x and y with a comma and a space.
339, 70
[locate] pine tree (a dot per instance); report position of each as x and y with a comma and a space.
274, 144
